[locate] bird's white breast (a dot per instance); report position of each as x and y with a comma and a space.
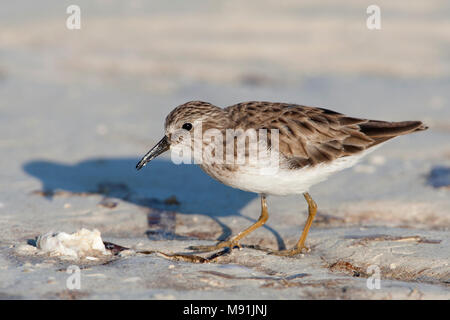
284, 181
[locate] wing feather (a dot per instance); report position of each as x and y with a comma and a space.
310, 135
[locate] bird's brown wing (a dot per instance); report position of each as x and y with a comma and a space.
309, 136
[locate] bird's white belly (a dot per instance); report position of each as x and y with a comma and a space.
287, 181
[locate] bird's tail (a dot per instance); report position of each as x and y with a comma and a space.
381, 131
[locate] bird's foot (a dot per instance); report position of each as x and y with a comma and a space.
291, 252
223, 244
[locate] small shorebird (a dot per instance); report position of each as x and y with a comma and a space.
312, 144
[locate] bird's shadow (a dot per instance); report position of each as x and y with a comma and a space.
163, 188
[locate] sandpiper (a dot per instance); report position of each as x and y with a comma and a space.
312, 144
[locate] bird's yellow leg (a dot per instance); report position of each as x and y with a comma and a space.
300, 246
234, 241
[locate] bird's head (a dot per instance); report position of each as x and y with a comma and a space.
185, 125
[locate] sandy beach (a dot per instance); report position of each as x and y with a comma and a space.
78, 108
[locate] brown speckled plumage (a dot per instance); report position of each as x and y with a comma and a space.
307, 135
210, 115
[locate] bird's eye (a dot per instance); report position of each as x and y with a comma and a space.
187, 126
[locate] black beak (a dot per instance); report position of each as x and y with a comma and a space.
162, 146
